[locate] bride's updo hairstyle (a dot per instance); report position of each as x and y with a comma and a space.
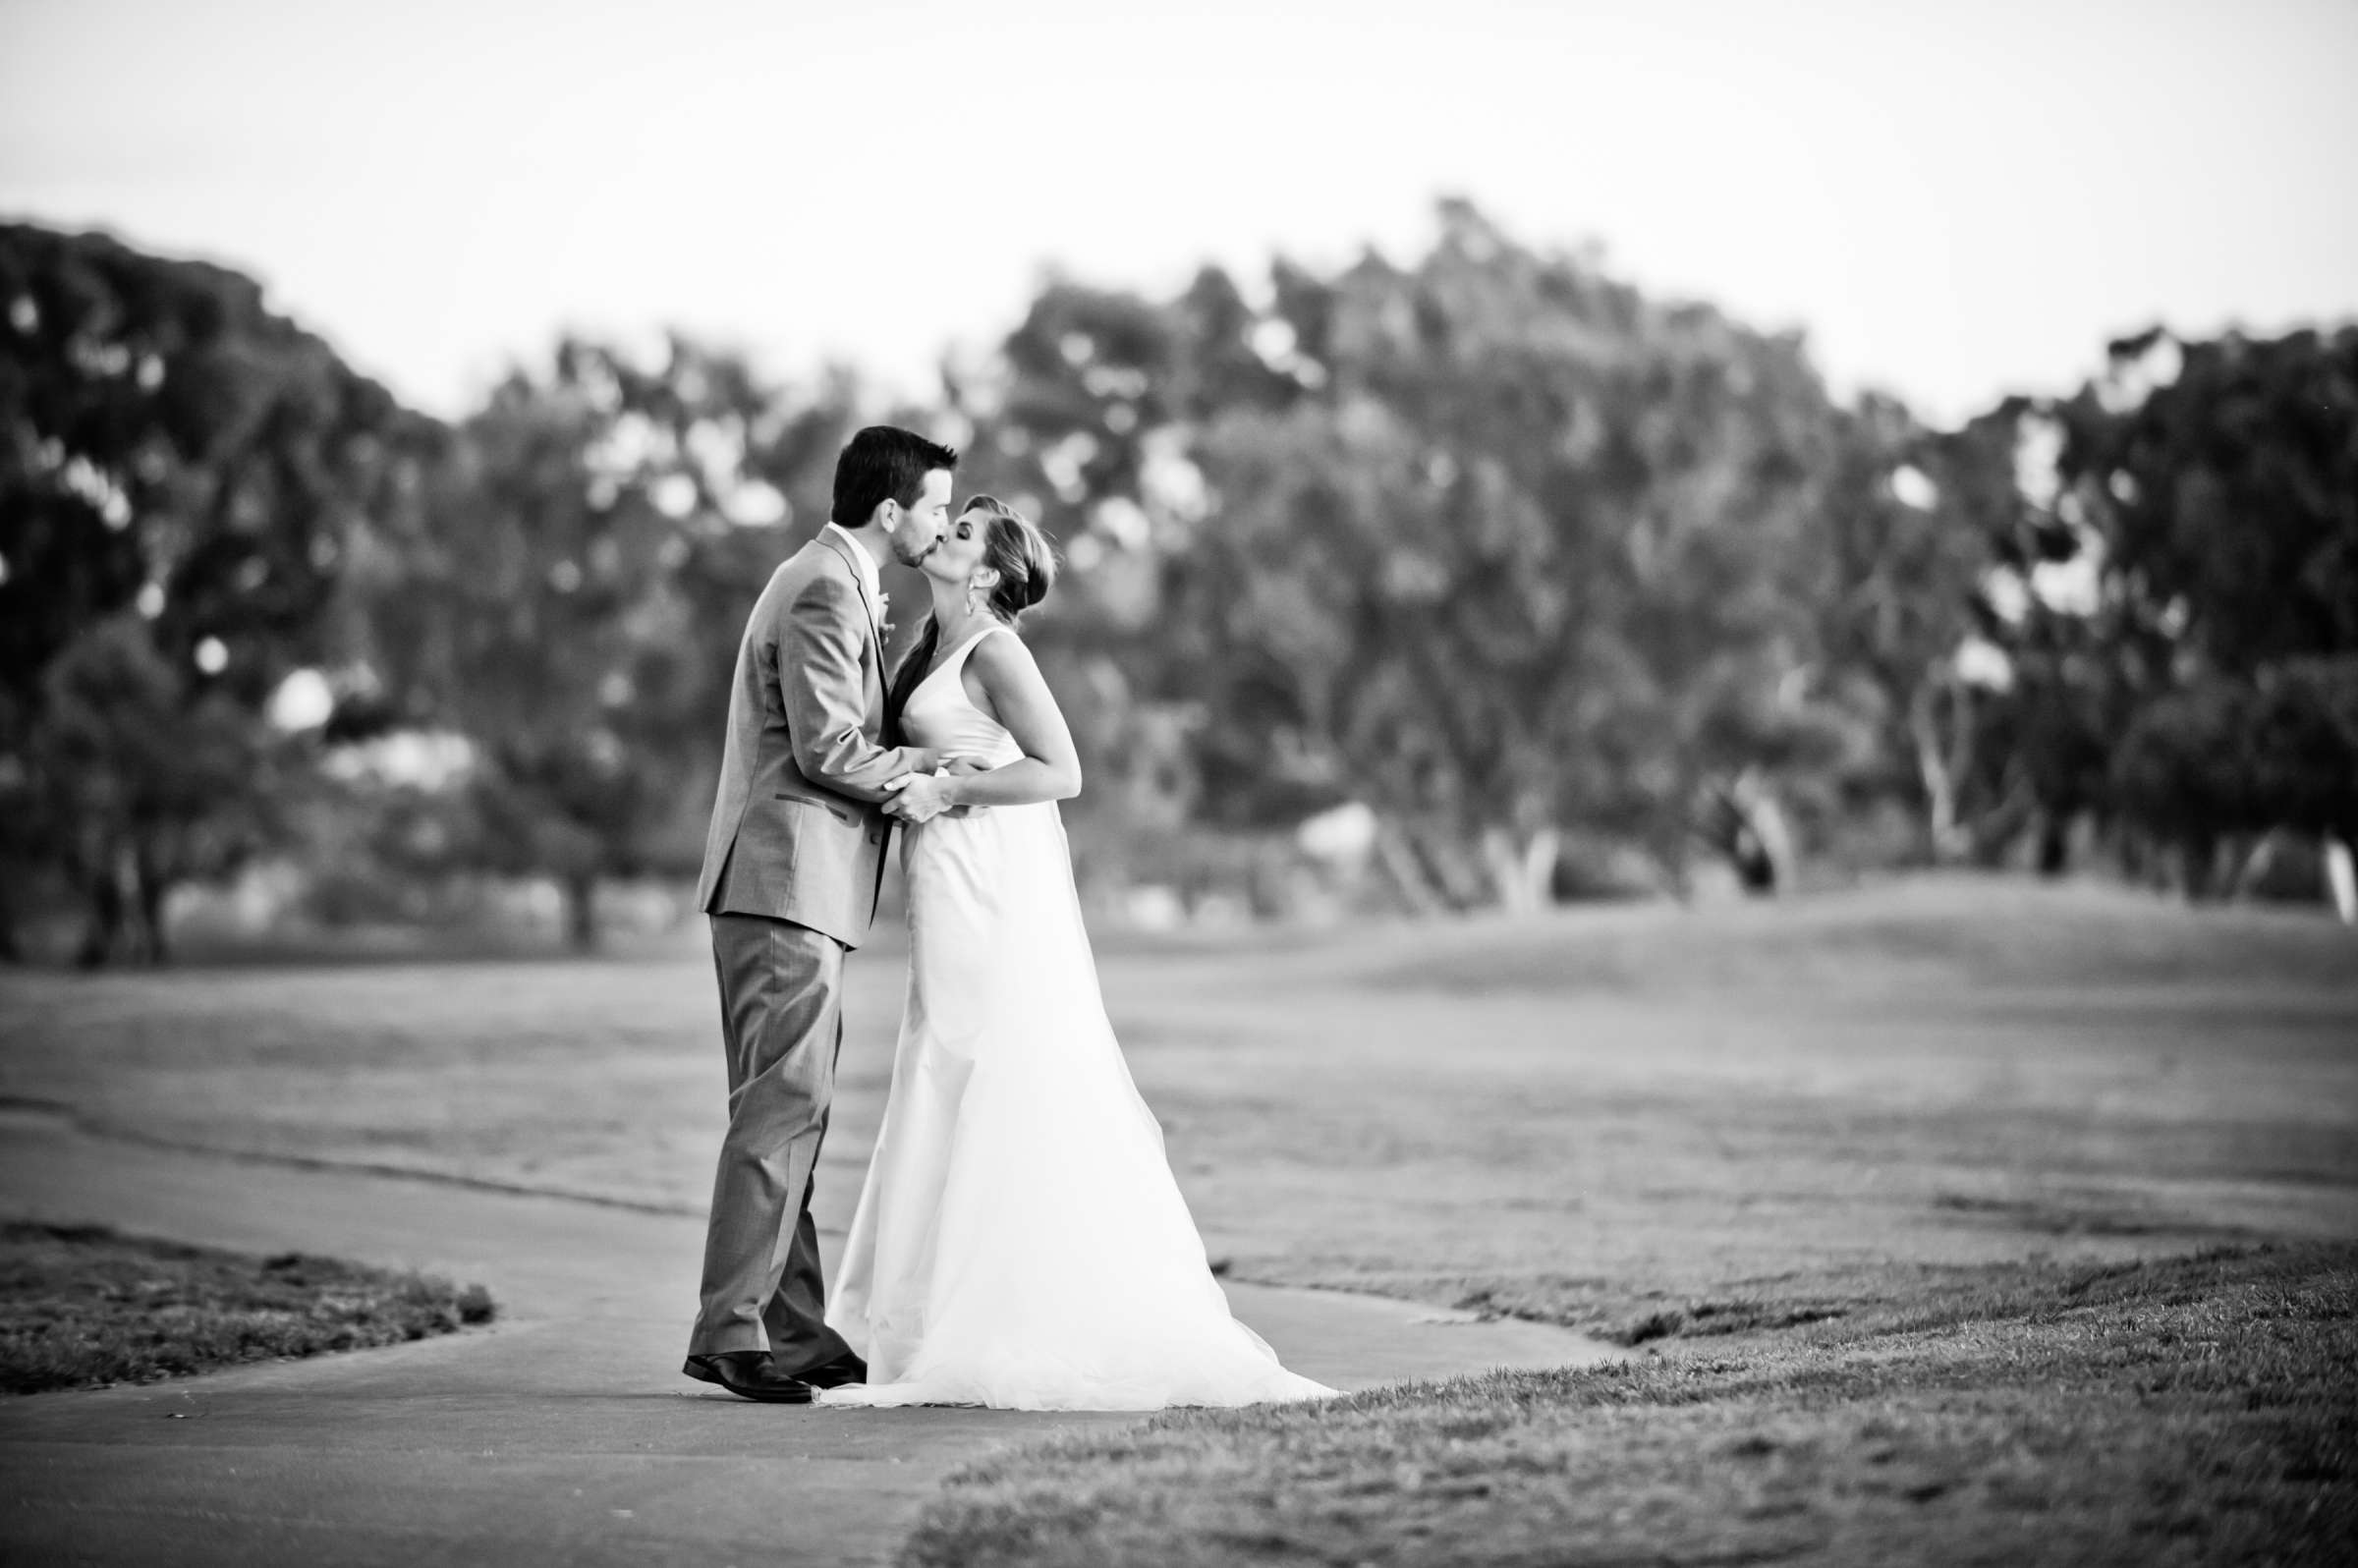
1014, 547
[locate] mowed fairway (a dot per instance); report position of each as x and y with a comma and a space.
1952, 1219
1600, 1117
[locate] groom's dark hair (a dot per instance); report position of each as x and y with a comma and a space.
884, 463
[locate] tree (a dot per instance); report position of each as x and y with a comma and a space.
2221, 481
180, 471
147, 781
2222, 477
1525, 553
1906, 543
1491, 541
2304, 746
1083, 420
597, 537
2183, 772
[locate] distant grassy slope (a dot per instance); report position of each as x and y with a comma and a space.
1934, 934
1627, 1119
81, 1306
2196, 1411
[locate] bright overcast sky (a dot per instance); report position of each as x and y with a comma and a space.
1954, 197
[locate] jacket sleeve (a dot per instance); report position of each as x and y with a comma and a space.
826, 695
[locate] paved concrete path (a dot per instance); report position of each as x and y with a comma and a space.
563, 1434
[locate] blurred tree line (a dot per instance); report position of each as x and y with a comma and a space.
1557, 587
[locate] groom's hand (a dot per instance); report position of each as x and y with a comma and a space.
918, 797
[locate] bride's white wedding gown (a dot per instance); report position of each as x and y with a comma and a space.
1020, 1242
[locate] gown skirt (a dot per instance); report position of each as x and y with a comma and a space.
1020, 1241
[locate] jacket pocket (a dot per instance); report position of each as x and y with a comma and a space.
841, 814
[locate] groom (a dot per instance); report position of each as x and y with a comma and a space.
792, 865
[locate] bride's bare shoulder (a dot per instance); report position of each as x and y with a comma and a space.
1001, 651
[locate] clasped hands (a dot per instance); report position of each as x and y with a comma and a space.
914, 798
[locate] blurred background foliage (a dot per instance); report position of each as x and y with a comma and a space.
1484, 580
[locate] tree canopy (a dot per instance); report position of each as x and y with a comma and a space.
181, 471
1484, 543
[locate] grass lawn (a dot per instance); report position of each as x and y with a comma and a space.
80, 1306
1730, 1136
2189, 1410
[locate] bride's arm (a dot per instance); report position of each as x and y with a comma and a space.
1050, 769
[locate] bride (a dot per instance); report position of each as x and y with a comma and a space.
1020, 1241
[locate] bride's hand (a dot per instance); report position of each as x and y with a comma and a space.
963, 766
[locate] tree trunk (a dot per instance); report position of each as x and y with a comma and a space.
2341, 881
1399, 868
1762, 845
105, 919
1937, 767
1539, 858
1769, 849
581, 913
150, 890
1523, 878
2198, 864
1449, 865
2055, 843
2253, 864
1991, 836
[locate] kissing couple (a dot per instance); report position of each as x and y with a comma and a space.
1020, 1241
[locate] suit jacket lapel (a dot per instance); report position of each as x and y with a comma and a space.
875, 627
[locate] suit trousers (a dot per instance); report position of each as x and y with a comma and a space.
781, 1022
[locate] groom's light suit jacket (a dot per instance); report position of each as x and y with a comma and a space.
797, 834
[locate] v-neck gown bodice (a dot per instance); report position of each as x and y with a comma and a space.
1020, 1241
940, 717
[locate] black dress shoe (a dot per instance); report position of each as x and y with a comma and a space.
750, 1374
844, 1369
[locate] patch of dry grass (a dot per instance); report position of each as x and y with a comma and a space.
80, 1306
2196, 1410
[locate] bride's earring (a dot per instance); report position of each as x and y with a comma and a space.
974, 598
